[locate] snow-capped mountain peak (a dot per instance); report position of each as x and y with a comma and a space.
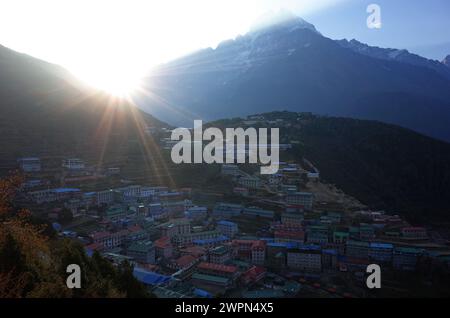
446, 61
281, 19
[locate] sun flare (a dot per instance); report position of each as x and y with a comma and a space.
114, 81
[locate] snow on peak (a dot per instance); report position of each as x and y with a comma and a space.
282, 19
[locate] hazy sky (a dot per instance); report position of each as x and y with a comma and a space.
98, 39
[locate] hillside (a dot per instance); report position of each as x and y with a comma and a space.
45, 111
383, 166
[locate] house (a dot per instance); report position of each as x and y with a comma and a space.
406, 258
219, 255
418, 233
73, 164
175, 227
252, 250
115, 213
109, 239
308, 259
142, 252
227, 228
304, 199
316, 237
230, 170
250, 182
255, 211
357, 249
227, 210
253, 275
104, 197
208, 237
330, 258
227, 271
366, 232
241, 191
185, 262
292, 218
136, 233
296, 236
340, 237
197, 213
212, 241
381, 252
29, 164
196, 251
163, 247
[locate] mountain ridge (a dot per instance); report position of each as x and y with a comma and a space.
296, 70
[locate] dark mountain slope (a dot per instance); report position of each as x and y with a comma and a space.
44, 111
382, 165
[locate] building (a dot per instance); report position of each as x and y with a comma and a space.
73, 164
142, 252
136, 233
115, 213
251, 250
357, 249
316, 237
30, 164
227, 228
308, 259
294, 236
292, 218
250, 182
104, 197
253, 275
418, 233
211, 242
52, 195
330, 258
227, 271
255, 211
258, 253
304, 199
196, 251
244, 192
340, 237
230, 170
366, 232
109, 239
203, 238
381, 252
219, 255
185, 262
176, 227
197, 213
163, 248
406, 258
227, 210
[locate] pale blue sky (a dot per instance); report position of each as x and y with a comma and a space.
423, 27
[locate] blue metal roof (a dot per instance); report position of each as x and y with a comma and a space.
213, 240
202, 293
65, 190
150, 278
229, 223
381, 245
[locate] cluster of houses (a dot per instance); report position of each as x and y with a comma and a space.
180, 249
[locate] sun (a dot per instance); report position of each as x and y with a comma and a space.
118, 82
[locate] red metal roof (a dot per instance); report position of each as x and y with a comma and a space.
217, 267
